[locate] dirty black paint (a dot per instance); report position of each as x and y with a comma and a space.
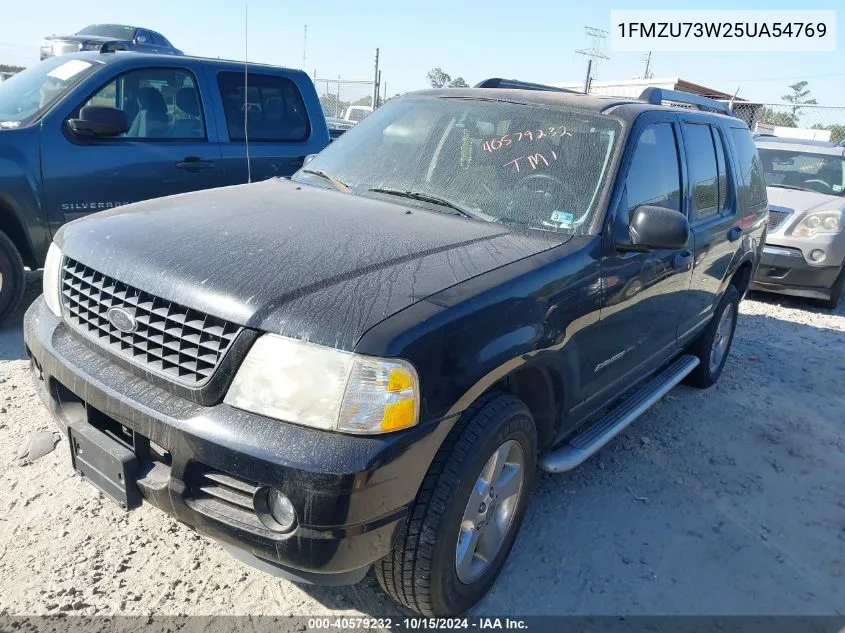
306, 262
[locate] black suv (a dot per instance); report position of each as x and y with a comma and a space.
364, 365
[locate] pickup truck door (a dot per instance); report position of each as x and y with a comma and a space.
713, 219
168, 149
643, 292
279, 131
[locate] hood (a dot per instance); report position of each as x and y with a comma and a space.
303, 261
801, 201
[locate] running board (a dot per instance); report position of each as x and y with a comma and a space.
591, 439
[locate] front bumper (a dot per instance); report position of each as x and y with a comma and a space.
351, 494
785, 271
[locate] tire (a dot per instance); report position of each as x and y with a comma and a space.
422, 571
13, 278
712, 360
836, 292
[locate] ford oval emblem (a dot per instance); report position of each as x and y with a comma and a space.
122, 320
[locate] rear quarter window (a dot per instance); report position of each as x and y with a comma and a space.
752, 187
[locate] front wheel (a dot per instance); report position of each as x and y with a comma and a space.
467, 513
12, 277
714, 343
836, 291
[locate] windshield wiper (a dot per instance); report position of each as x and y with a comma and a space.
424, 197
335, 182
791, 187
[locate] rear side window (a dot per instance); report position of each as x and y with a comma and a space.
752, 188
704, 173
654, 176
271, 107
158, 40
724, 190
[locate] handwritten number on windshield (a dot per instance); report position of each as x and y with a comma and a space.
508, 139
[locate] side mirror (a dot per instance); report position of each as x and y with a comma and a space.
308, 159
653, 227
99, 121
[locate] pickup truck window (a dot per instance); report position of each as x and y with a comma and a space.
752, 185
26, 96
159, 103
701, 154
539, 167
654, 176
273, 106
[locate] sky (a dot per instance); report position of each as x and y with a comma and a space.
533, 41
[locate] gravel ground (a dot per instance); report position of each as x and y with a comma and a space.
719, 502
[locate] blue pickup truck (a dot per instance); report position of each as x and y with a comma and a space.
91, 131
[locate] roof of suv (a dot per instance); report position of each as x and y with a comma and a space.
800, 145
594, 103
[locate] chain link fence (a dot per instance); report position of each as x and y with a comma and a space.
819, 122
338, 95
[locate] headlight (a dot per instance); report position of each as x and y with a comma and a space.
52, 269
818, 223
322, 387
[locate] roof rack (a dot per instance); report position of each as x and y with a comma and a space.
657, 96
498, 82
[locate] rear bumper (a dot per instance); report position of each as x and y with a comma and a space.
785, 271
351, 494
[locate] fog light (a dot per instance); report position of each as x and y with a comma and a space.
816, 255
275, 510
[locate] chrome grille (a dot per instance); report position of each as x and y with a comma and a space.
776, 218
179, 343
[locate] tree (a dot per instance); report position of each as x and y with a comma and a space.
780, 119
437, 78
7, 68
798, 98
364, 101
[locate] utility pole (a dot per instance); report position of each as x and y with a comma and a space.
594, 53
378, 92
304, 42
587, 78
376, 78
647, 74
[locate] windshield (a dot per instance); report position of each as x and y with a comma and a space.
112, 31
538, 167
823, 173
31, 92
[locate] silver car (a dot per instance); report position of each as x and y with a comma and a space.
805, 244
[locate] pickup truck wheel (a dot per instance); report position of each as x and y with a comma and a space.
12, 277
467, 513
836, 291
714, 344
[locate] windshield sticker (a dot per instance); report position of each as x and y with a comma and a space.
9, 124
564, 218
837, 188
533, 161
492, 145
68, 69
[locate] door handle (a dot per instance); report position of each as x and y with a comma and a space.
195, 163
735, 233
682, 259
